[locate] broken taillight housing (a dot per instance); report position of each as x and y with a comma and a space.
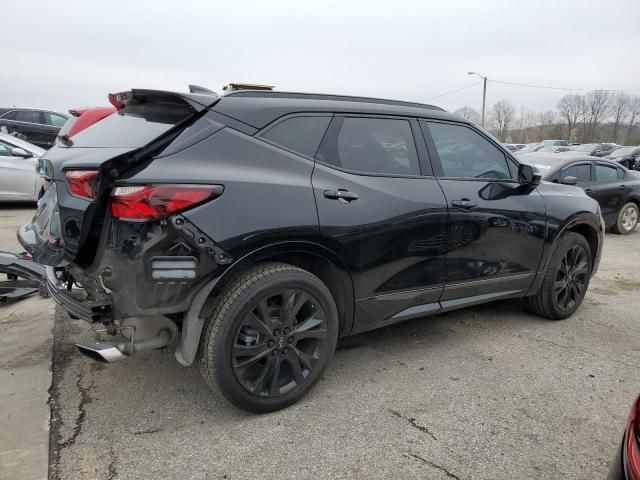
153, 202
82, 183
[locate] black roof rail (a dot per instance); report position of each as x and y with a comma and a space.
322, 96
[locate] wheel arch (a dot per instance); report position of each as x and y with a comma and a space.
312, 257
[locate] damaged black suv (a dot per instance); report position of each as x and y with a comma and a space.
256, 228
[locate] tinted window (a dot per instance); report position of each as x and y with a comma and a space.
300, 134
28, 116
606, 173
10, 115
582, 172
372, 145
621, 173
133, 126
465, 153
54, 119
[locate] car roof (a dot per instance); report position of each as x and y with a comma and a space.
36, 150
259, 108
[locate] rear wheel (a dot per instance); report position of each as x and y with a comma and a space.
270, 337
566, 279
627, 219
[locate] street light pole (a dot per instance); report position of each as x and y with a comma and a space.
484, 93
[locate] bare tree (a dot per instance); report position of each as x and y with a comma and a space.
468, 113
620, 110
596, 109
570, 107
634, 115
502, 115
546, 120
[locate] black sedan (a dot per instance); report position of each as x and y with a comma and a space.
616, 189
627, 157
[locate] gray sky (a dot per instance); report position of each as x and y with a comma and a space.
68, 54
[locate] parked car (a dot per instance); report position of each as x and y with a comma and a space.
626, 462
532, 147
627, 157
39, 127
616, 189
264, 225
514, 147
595, 149
559, 143
19, 178
553, 149
81, 118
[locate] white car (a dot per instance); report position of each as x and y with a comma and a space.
20, 179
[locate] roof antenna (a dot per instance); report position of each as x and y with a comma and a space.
203, 90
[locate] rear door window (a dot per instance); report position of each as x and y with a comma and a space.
383, 146
581, 171
299, 134
28, 116
606, 173
54, 119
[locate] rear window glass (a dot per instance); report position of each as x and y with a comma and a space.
133, 126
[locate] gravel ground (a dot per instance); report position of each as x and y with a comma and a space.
487, 393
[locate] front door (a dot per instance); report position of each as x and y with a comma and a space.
386, 221
496, 227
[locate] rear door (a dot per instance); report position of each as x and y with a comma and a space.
17, 175
496, 228
382, 210
608, 189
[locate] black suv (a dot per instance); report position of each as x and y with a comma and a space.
39, 127
262, 226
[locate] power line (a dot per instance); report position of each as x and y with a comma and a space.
454, 91
529, 85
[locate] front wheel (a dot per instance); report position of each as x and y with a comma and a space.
627, 219
271, 335
566, 279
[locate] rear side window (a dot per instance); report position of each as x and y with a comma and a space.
465, 153
371, 145
606, 173
133, 126
299, 134
582, 172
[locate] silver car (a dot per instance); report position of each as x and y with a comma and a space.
19, 173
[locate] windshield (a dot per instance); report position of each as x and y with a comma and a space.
621, 152
587, 147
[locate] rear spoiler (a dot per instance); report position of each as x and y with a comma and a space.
197, 100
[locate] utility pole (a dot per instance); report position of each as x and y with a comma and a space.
484, 93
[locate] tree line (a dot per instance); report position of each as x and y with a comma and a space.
597, 116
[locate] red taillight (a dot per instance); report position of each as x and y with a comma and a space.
153, 202
633, 443
82, 183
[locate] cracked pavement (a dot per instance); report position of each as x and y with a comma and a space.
489, 392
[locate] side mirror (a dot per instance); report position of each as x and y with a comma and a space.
528, 176
20, 152
569, 180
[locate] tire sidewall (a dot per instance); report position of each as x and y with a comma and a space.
224, 374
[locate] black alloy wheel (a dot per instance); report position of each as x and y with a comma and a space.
572, 278
270, 336
279, 342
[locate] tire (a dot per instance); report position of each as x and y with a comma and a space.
627, 219
251, 334
569, 271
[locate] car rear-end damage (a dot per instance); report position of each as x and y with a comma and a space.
117, 252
